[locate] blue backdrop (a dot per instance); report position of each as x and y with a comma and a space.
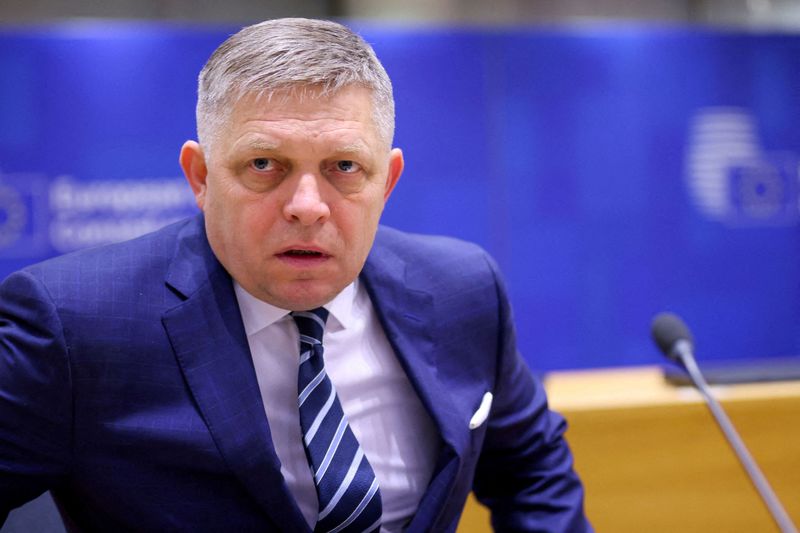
613, 171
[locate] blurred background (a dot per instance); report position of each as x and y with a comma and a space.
617, 157
773, 13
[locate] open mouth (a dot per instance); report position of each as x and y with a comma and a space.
303, 257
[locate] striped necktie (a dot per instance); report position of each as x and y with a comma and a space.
349, 498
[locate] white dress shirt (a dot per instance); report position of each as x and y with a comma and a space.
386, 415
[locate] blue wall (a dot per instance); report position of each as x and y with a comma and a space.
613, 171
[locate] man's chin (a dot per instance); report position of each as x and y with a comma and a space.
300, 296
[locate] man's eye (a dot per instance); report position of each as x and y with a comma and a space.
262, 163
347, 166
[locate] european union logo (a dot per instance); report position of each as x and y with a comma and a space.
731, 178
23, 216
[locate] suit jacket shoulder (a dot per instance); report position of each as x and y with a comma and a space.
135, 265
431, 253
449, 268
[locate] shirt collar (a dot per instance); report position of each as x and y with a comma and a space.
258, 314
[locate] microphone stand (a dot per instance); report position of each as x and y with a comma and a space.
683, 351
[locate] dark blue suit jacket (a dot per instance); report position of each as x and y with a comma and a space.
128, 390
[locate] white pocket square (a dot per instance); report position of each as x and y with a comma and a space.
482, 413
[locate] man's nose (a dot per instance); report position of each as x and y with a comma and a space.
305, 203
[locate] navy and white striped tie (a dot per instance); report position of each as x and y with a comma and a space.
349, 498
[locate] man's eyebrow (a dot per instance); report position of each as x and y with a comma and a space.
357, 147
259, 145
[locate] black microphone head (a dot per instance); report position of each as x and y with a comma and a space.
668, 329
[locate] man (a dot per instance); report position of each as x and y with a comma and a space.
177, 381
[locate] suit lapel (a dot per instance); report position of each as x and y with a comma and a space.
211, 347
406, 311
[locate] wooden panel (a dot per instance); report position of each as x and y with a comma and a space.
652, 457
475, 518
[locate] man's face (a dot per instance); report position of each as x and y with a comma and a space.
292, 193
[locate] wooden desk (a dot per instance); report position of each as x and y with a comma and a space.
653, 459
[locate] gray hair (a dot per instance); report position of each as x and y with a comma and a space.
290, 56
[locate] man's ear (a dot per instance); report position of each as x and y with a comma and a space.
193, 163
396, 165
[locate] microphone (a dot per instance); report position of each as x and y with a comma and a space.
675, 340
